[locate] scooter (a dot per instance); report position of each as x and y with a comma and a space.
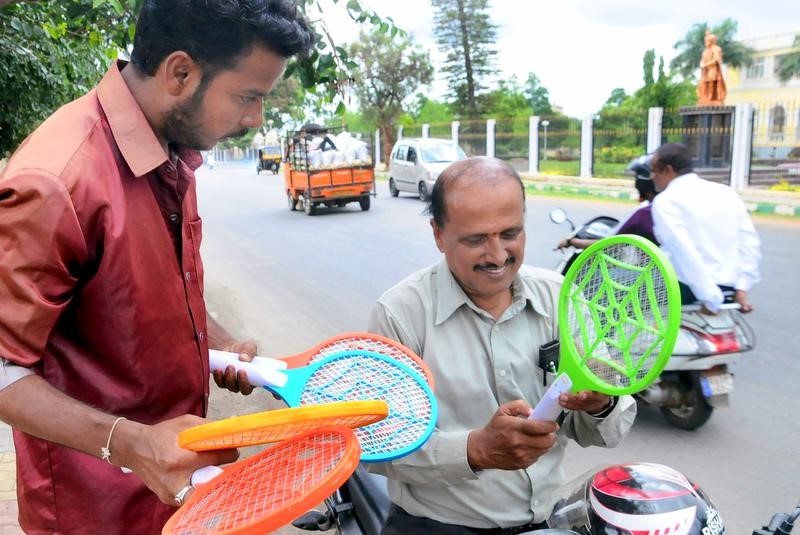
361, 507
699, 376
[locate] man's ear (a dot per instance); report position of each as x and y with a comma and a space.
437, 235
180, 72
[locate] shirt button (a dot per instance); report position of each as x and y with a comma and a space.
174, 218
188, 275
170, 170
502, 373
201, 336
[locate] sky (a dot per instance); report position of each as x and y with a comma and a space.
580, 49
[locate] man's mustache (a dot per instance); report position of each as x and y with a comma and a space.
484, 267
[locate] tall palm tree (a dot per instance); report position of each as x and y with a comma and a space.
690, 48
790, 63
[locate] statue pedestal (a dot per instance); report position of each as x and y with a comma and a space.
707, 133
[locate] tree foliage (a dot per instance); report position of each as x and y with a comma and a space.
690, 48
537, 95
56, 50
622, 120
53, 52
388, 71
465, 33
789, 66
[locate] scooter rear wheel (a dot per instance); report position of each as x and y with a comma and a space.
694, 412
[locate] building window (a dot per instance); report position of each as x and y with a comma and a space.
777, 122
755, 69
797, 126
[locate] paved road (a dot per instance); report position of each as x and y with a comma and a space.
289, 281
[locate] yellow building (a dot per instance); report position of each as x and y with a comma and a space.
777, 104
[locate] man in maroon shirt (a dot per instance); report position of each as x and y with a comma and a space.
104, 336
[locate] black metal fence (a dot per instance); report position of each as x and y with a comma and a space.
776, 144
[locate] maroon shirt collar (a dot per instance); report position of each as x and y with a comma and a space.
131, 130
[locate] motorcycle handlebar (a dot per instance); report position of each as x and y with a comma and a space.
780, 524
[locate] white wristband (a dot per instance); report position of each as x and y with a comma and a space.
105, 453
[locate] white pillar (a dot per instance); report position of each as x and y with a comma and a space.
426, 128
586, 146
400, 132
490, 123
377, 147
454, 126
655, 119
742, 145
533, 145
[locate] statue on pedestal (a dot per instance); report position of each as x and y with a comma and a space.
711, 90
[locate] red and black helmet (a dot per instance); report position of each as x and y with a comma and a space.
639, 499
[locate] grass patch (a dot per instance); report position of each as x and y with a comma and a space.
573, 168
555, 167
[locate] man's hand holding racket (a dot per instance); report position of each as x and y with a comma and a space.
591, 402
510, 441
153, 454
231, 379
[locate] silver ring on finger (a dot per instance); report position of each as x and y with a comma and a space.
180, 497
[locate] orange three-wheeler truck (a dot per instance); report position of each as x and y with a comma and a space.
311, 183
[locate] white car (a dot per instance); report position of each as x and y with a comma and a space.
416, 163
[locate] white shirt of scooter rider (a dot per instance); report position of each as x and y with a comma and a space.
706, 232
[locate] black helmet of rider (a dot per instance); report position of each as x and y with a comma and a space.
644, 183
633, 498
641, 166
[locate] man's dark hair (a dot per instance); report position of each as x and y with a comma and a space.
217, 32
489, 167
677, 156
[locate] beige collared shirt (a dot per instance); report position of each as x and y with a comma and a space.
478, 364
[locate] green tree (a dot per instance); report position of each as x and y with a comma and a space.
616, 99
690, 48
622, 126
388, 71
662, 90
505, 101
429, 111
537, 95
790, 63
55, 50
465, 33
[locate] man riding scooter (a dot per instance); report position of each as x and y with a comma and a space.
698, 378
705, 230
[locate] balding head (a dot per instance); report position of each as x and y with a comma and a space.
464, 173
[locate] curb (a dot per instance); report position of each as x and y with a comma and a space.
612, 190
756, 207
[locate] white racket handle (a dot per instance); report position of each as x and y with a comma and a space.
548, 407
260, 372
215, 355
205, 474
199, 476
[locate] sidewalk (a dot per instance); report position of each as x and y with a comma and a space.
760, 201
8, 484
